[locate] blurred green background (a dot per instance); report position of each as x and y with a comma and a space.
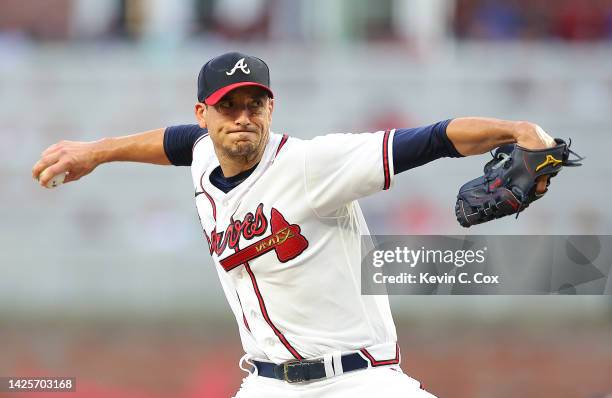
109, 279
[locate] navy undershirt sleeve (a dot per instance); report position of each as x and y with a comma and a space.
178, 143
416, 146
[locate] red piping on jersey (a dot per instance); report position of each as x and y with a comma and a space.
242, 309
282, 143
196, 141
212, 202
386, 160
245, 321
207, 238
374, 362
264, 311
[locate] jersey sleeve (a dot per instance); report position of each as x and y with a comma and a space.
179, 141
416, 146
339, 168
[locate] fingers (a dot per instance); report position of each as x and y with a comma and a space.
53, 148
48, 157
55, 160
541, 184
51, 171
43, 163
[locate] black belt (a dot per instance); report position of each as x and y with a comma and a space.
307, 369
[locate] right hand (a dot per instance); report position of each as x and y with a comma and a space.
76, 158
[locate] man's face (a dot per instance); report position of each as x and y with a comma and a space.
239, 123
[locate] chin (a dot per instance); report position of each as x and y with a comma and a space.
243, 148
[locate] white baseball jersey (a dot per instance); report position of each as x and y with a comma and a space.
286, 244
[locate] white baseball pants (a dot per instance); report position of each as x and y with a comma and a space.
384, 381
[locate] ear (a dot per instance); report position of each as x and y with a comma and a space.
200, 114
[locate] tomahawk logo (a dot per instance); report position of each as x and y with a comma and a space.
239, 65
285, 239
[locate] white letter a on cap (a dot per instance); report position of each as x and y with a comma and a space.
239, 65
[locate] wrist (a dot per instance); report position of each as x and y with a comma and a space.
103, 150
524, 131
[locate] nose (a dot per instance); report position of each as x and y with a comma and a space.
242, 118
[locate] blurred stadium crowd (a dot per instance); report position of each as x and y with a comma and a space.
229, 19
565, 20
109, 278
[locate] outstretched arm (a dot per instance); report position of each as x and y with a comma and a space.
81, 158
476, 135
465, 136
172, 145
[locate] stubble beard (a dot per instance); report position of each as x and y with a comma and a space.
243, 151
246, 151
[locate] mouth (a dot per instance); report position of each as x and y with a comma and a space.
241, 132
242, 135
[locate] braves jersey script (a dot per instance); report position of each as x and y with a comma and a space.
286, 245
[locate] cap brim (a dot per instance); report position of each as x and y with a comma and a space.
217, 95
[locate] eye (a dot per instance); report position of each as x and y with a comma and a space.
256, 104
225, 104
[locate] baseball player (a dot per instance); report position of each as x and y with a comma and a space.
283, 225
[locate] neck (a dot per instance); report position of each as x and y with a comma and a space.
233, 166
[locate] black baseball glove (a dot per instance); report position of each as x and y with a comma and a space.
509, 182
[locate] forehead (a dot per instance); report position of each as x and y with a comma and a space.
248, 92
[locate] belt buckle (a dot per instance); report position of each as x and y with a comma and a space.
304, 371
289, 364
